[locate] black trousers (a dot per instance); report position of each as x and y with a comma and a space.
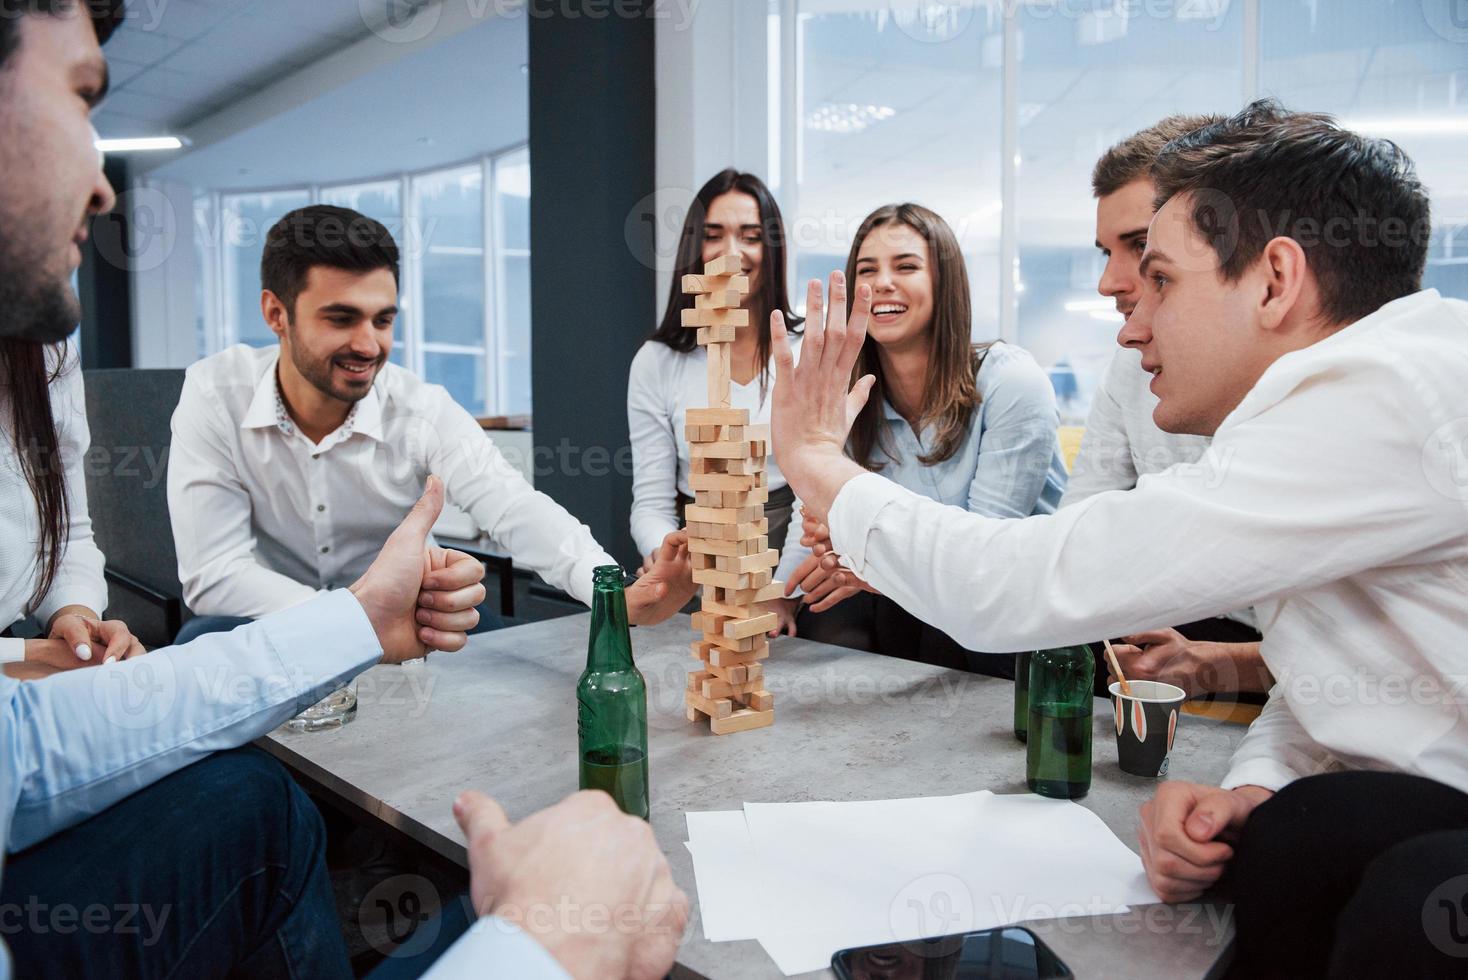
878, 625
1358, 874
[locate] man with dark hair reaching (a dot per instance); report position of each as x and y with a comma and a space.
1122, 444
288, 463
1283, 315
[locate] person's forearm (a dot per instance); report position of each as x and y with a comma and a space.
1250, 673
818, 478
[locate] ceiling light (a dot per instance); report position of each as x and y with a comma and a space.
848, 117
1086, 305
1107, 316
140, 143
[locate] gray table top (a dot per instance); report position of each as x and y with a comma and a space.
501, 717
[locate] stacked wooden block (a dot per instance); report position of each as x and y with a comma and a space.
727, 529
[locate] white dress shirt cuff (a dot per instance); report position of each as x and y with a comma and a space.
580, 584
495, 948
12, 651
1267, 773
853, 516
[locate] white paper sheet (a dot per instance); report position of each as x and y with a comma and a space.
807, 879
729, 897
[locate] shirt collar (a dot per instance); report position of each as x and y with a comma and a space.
261, 413
889, 413
366, 416
267, 409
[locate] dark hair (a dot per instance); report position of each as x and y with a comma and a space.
26, 379
106, 16
773, 293
1353, 203
950, 391
1132, 158
338, 238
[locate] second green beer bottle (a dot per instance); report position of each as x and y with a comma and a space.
1058, 751
611, 701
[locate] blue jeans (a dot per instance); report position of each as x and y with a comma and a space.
215, 870
199, 625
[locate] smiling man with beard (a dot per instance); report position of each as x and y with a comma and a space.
290, 465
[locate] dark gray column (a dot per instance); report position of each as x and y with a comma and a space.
104, 284
592, 163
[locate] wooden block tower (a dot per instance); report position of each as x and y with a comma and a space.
727, 529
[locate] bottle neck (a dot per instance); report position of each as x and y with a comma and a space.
610, 647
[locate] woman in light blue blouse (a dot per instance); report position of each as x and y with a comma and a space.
970, 425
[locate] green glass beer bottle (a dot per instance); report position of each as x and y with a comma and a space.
1058, 751
1021, 695
611, 701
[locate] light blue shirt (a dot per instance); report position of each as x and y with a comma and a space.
76, 743
1008, 464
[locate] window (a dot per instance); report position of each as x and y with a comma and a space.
511, 223
891, 109
1084, 83
463, 234
247, 219
448, 212
994, 114
1396, 73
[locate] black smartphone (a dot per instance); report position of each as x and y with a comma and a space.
1011, 953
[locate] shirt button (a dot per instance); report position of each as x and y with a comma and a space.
320, 508
315, 455
325, 548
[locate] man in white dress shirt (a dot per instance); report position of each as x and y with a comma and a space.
1282, 316
1217, 655
136, 843
290, 465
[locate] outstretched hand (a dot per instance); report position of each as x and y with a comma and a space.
815, 403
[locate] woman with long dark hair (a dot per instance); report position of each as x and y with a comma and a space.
734, 213
969, 425
50, 568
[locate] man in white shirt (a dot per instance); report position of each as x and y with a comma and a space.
1218, 655
1282, 316
135, 843
289, 465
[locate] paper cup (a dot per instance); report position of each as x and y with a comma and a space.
1146, 721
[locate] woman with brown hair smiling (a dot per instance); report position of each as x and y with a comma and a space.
969, 425
734, 213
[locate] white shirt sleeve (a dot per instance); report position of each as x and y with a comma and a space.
79, 580
210, 510
650, 425
1105, 459
794, 552
1276, 750
1179, 547
537, 532
494, 947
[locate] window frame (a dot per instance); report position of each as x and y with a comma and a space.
220, 289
